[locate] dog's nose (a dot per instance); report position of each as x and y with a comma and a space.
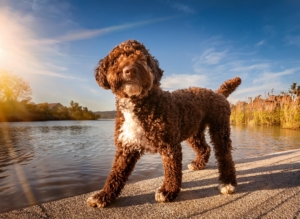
129, 71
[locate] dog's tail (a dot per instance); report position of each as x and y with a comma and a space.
229, 86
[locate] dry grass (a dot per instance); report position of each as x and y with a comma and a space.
283, 110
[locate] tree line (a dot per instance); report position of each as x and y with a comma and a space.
16, 105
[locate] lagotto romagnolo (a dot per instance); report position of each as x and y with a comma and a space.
155, 121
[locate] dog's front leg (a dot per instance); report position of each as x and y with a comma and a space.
173, 176
122, 167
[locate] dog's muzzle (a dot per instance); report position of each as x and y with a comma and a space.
129, 72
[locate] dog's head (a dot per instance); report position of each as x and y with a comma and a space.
129, 70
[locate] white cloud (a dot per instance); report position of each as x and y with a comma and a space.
246, 91
54, 9
81, 34
247, 68
179, 81
217, 64
216, 40
211, 57
260, 43
258, 89
184, 8
210, 62
293, 40
267, 77
85, 34
261, 84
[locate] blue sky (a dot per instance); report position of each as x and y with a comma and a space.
56, 45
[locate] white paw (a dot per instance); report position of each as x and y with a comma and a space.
226, 188
194, 166
93, 202
159, 197
191, 167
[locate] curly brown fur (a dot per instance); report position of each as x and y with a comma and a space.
229, 86
156, 121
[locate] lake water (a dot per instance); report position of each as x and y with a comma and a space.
46, 161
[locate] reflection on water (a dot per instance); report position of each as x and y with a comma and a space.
45, 161
249, 141
11, 152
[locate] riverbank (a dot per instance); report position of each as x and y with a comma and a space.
269, 187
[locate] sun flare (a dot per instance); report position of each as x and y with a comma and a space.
2, 52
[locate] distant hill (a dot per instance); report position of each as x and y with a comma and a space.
106, 114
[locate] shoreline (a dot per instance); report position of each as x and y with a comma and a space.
268, 186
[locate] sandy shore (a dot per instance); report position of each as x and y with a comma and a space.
269, 187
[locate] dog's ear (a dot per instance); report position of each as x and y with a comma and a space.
154, 65
101, 72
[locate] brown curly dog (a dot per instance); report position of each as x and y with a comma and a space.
156, 121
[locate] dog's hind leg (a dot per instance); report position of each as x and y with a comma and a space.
122, 167
173, 176
220, 137
201, 148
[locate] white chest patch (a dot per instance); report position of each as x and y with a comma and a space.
132, 134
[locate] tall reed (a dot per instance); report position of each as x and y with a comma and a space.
283, 110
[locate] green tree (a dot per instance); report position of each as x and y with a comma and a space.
44, 111
60, 113
13, 88
78, 112
75, 111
